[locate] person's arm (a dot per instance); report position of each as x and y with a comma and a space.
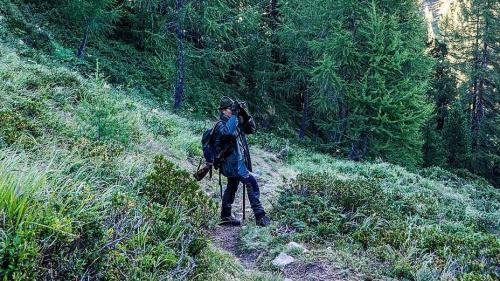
229, 128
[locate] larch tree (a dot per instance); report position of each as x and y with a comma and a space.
363, 67
92, 17
443, 92
475, 52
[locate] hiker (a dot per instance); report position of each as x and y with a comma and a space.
236, 123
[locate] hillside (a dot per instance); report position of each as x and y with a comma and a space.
95, 183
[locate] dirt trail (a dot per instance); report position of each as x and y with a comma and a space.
271, 174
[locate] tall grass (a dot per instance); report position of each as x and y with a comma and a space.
72, 205
16, 188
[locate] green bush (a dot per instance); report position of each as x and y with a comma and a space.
160, 125
171, 186
194, 149
59, 223
14, 127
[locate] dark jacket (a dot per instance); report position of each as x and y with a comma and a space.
234, 130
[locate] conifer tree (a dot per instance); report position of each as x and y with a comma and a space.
91, 17
442, 93
475, 50
456, 137
364, 65
226, 47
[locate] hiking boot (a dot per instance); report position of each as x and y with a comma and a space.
230, 221
263, 221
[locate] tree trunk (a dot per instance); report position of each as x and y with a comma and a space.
339, 135
359, 149
478, 110
305, 116
80, 53
179, 82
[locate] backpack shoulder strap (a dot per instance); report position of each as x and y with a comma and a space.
215, 127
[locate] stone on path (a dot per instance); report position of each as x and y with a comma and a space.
294, 245
283, 260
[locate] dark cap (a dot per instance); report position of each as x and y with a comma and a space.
225, 102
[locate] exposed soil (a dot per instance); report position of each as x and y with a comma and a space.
226, 237
318, 271
270, 176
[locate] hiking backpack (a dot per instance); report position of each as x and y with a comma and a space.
208, 145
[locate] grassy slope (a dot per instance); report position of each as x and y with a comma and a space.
382, 221
89, 147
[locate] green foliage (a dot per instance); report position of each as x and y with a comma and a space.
457, 137
168, 185
65, 221
254, 239
14, 21
433, 150
96, 17
366, 73
38, 219
472, 31
18, 251
408, 227
218, 265
358, 67
86, 221
15, 128
107, 119
161, 126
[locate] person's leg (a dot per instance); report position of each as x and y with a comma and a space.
254, 196
228, 197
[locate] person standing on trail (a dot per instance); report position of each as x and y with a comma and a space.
235, 123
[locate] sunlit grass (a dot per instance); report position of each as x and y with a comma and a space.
17, 185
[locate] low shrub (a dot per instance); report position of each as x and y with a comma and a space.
171, 186
408, 228
16, 128
160, 125
105, 118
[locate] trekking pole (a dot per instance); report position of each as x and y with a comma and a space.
244, 187
220, 186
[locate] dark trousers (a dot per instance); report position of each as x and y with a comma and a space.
252, 191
